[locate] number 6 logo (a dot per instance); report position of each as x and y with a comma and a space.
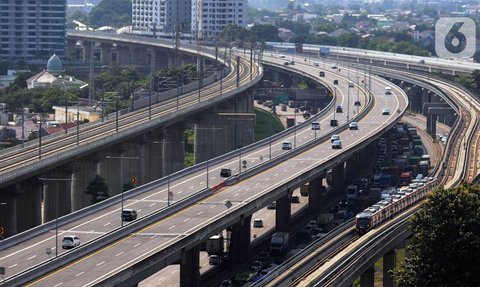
455, 37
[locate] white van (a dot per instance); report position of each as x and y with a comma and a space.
388, 90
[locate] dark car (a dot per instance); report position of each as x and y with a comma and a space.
129, 214
335, 82
295, 199
339, 109
358, 103
225, 172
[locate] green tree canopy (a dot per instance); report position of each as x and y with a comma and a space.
116, 13
446, 243
98, 189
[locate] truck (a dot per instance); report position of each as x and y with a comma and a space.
423, 167
290, 121
352, 192
405, 178
279, 243
215, 245
385, 180
304, 190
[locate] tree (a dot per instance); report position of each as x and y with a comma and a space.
116, 13
446, 243
98, 189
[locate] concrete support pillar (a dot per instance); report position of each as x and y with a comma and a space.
283, 214
106, 53
351, 168
57, 199
161, 59
87, 51
315, 199
133, 155
367, 278
123, 55
174, 148
111, 169
85, 170
432, 125
190, 268
389, 263
338, 178
30, 200
71, 48
210, 141
139, 55
240, 241
152, 156
8, 209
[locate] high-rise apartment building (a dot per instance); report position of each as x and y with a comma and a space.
217, 14
164, 15
32, 29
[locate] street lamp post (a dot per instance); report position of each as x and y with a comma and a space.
56, 206
295, 130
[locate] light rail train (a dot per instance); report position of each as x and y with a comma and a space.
399, 201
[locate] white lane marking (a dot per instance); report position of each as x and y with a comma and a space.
247, 189
91, 231
213, 206
12, 265
199, 212
56, 285
178, 192
152, 204
107, 224
236, 194
213, 177
257, 184
185, 220
101, 263
172, 227
136, 245
267, 179
190, 187
302, 162
203, 182
139, 210
275, 175
118, 254
80, 274
153, 237
31, 257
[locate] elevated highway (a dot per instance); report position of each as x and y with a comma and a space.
358, 255
246, 197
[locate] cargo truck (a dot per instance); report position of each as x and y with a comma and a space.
279, 243
304, 190
215, 245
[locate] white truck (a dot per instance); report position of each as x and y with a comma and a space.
279, 242
352, 191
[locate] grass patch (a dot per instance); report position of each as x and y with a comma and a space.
266, 125
379, 268
189, 147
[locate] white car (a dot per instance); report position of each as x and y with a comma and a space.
386, 111
337, 144
287, 145
353, 126
70, 241
315, 125
334, 137
334, 66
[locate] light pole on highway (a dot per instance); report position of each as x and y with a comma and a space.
121, 158
348, 103
295, 129
45, 179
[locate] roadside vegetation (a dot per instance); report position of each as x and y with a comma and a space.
266, 124
445, 248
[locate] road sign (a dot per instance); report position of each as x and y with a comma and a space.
281, 99
134, 180
2, 231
